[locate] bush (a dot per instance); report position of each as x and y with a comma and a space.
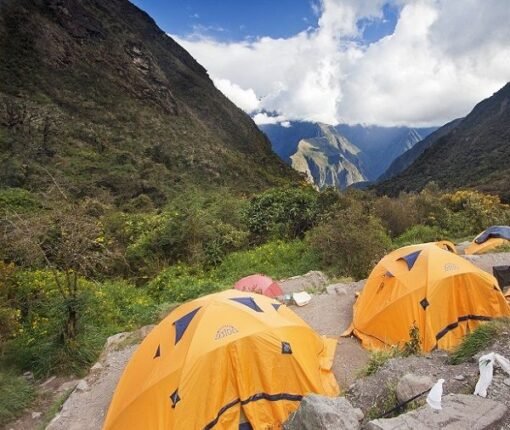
16, 394
181, 283
397, 214
17, 200
351, 243
286, 213
419, 234
276, 259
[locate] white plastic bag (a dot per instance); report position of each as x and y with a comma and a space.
486, 365
435, 394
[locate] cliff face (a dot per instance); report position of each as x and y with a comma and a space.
328, 160
474, 153
95, 94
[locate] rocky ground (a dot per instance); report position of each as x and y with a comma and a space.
329, 313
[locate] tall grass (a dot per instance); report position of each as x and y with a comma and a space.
16, 394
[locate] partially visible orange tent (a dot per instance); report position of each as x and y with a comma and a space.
442, 294
488, 245
219, 356
489, 239
260, 284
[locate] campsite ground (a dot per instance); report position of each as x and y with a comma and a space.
329, 313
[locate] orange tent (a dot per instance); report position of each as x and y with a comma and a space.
260, 284
442, 294
489, 239
219, 356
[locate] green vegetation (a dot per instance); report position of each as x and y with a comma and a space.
15, 395
73, 272
377, 359
476, 341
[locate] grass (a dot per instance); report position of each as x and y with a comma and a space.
16, 394
476, 341
377, 359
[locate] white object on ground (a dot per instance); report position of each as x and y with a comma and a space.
302, 298
435, 394
486, 365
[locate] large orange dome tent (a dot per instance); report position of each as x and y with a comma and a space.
442, 294
220, 355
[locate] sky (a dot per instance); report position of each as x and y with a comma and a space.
417, 63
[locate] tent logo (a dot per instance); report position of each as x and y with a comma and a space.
450, 267
224, 331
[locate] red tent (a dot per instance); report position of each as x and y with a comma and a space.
260, 284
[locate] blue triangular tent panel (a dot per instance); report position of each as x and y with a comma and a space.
276, 306
410, 259
182, 324
247, 301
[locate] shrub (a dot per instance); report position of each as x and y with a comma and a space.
286, 213
351, 243
17, 200
276, 259
16, 394
397, 214
419, 234
180, 283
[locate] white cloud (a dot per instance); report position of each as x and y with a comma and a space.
443, 57
245, 99
263, 118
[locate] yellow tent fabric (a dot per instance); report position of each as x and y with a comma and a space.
442, 294
216, 356
488, 245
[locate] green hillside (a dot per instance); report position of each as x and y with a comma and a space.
94, 96
475, 154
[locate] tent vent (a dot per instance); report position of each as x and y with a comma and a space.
182, 324
158, 352
286, 349
247, 301
276, 306
424, 303
174, 397
410, 259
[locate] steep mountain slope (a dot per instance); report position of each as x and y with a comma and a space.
94, 96
475, 153
328, 160
403, 161
379, 145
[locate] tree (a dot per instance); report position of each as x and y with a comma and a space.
66, 240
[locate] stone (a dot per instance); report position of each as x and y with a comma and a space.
459, 378
29, 376
411, 385
327, 413
82, 385
506, 381
97, 366
69, 385
47, 382
460, 411
36, 415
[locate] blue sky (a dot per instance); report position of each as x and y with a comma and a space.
383, 62
235, 20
